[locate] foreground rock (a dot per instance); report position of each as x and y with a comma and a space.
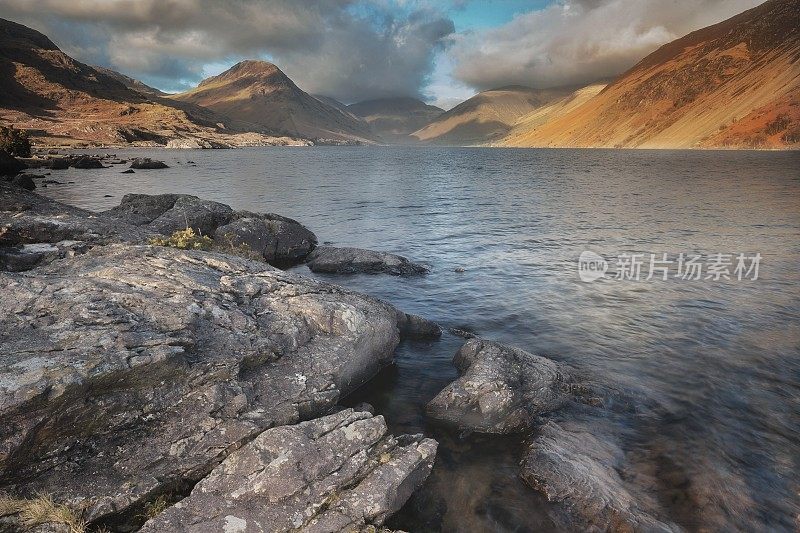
131, 372
355, 260
581, 470
9, 165
502, 389
275, 239
337, 473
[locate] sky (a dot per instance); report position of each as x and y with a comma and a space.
440, 51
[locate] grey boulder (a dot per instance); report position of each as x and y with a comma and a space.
501, 389
336, 260
25, 181
279, 240
9, 165
145, 163
341, 472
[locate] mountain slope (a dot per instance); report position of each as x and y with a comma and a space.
486, 116
131, 83
734, 84
552, 111
63, 101
259, 92
393, 119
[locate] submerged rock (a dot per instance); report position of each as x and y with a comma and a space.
145, 163
341, 472
355, 260
581, 470
131, 371
502, 389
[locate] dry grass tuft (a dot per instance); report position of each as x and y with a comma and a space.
41, 510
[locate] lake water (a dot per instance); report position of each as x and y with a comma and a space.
700, 379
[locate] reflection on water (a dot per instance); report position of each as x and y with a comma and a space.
700, 379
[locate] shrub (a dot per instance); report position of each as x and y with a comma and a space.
780, 123
185, 239
15, 142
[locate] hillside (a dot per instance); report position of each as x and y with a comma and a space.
259, 92
733, 84
393, 119
63, 101
486, 116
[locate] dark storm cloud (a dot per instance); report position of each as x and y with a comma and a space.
345, 49
574, 42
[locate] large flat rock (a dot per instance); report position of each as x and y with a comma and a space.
341, 472
131, 371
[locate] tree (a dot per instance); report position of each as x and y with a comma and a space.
15, 142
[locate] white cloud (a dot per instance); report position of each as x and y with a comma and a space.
574, 42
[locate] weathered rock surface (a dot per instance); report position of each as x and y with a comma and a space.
9, 165
581, 470
502, 389
27, 256
129, 372
277, 239
28, 218
145, 163
341, 472
355, 260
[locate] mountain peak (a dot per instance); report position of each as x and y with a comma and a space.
253, 71
12, 33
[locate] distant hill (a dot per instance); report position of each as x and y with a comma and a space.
393, 119
733, 84
259, 92
487, 116
63, 101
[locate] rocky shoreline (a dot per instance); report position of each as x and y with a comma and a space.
148, 387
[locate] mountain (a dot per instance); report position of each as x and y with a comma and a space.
733, 84
550, 112
63, 101
486, 116
259, 92
393, 119
132, 83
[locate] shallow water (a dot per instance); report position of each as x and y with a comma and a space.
701, 379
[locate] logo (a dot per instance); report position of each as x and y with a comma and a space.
591, 266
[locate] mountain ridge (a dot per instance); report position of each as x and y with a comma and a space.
734, 84
261, 93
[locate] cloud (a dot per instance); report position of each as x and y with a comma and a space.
342, 48
573, 42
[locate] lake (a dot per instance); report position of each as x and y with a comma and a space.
699, 378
